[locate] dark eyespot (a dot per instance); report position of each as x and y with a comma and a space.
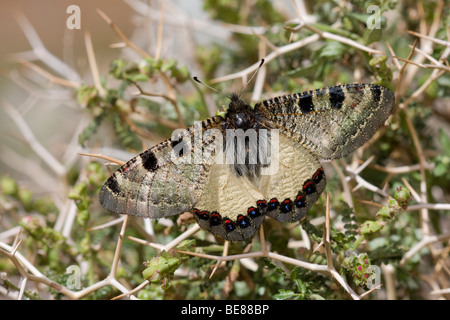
262, 204
215, 219
300, 200
229, 225
309, 187
253, 212
203, 215
318, 176
243, 221
273, 204
286, 206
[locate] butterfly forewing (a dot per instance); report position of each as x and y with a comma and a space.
330, 122
165, 180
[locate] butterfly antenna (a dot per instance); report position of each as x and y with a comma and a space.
213, 89
254, 74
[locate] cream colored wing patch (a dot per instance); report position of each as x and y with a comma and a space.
228, 206
296, 182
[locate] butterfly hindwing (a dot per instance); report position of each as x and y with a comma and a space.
233, 207
166, 179
295, 184
330, 122
228, 206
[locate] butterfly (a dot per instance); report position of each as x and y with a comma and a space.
233, 170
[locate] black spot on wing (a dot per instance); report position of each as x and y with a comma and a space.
113, 185
149, 160
337, 96
376, 93
306, 103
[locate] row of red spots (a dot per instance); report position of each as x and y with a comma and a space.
318, 175
215, 218
243, 221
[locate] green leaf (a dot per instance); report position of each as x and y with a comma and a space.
117, 68
138, 77
187, 245
332, 49
85, 94
372, 35
440, 169
445, 142
284, 295
8, 186
168, 65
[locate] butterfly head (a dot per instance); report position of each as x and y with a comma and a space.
239, 115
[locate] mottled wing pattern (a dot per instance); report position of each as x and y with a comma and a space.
330, 122
296, 183
161, 182
229, 201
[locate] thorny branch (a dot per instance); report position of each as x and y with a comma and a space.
27, 271
170, 91
404, 77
